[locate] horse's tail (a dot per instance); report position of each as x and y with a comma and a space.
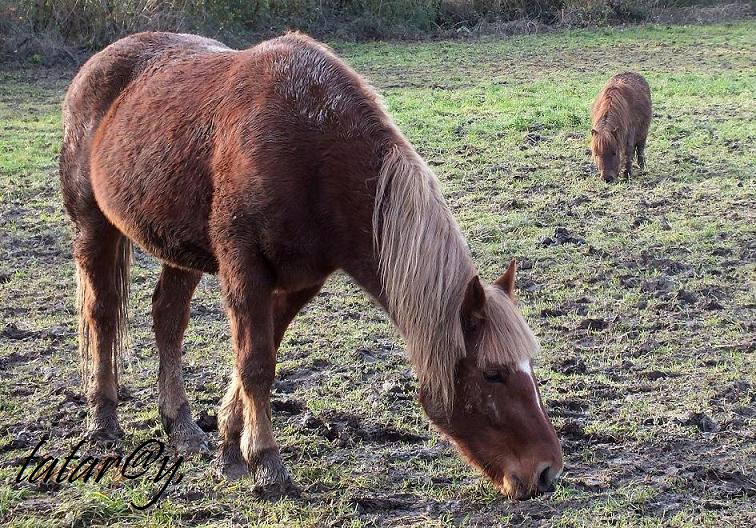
86, 342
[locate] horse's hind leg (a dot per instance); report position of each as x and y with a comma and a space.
102, 256
170, 314
231, 463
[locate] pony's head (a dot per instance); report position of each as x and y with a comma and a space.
605, 146
496, 418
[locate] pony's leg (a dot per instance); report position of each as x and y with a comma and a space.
640, 149
170, 315
250, 309
287, 306
628, 159
231, 420
96, 251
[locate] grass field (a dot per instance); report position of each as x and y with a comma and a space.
641, 292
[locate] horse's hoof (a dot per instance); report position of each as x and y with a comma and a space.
272, 481
189, 439
231, 465
105, 434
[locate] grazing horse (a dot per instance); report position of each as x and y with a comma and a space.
620, 118
273, 167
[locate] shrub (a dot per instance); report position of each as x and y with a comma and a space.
91, 24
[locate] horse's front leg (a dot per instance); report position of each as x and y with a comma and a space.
232, 463
251, 311
628, 158
640, 149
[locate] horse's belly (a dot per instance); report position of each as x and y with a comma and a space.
180, 251
169, 221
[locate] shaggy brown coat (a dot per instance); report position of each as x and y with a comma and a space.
620, 119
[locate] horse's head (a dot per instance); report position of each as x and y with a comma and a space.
606, 152
496, 419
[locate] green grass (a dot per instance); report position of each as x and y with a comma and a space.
688, 224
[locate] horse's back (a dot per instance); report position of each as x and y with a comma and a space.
639, 95
199, 137
634, 88
106, 74
94, 89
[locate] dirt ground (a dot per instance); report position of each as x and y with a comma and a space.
641, 292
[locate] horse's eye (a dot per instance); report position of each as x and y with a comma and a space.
493, 377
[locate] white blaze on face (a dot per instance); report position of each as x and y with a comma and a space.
524, 366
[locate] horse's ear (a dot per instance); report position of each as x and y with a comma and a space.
475, 300
507, 281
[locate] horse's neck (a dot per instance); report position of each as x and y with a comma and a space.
367, 275
424, 260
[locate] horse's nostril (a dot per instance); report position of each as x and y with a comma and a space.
545, 480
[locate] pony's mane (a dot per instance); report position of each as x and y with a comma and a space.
425, 267
603, 141
610, 112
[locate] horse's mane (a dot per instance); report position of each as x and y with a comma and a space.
425, 268
424, 262
611, 119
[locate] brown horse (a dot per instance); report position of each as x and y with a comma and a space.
620, 117
274, 167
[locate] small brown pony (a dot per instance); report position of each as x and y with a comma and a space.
620, 118
274, 167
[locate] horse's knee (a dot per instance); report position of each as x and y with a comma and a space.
257, 377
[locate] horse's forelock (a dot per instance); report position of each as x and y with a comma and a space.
506, 338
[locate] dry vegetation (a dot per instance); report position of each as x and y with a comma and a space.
50, 30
